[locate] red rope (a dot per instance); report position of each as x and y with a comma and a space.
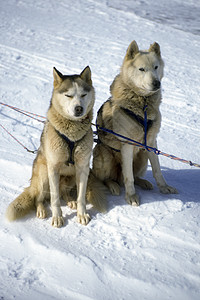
26, 113
31, 151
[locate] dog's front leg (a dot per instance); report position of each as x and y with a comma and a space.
57, 219
161, 183
82, 172
127, 169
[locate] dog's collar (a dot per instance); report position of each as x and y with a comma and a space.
137, 118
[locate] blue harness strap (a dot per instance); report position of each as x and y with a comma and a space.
145, 123
145, 126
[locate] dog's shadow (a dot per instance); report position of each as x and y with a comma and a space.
186, 181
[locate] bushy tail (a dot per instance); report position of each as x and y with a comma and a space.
96, 193
22, 205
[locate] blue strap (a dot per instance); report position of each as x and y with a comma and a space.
71, 145
145, 126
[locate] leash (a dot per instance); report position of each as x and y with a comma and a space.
128, 140
28, 114
31, 151
146, 147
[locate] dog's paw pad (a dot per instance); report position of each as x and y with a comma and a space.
133, 200
83, 219
72, 204
168, 190
57, 222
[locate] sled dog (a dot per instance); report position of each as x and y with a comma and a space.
136, 88
62, 163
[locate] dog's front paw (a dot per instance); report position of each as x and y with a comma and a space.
133, 200
57, 222
168, 190
83, 219
41, 211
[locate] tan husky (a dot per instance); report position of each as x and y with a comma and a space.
62, 162
135, 89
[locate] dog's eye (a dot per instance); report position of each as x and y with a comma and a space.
82, 96
156, 67
142, 69
69, 96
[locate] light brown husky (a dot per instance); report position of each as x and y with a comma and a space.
137, 87
62, 162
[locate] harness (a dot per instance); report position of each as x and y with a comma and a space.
71, 145
144, 122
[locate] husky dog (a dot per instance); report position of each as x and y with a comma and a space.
62, 162
135, 89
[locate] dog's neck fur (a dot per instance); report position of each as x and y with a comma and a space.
123, 94
72, 129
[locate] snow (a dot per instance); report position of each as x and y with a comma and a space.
151, 252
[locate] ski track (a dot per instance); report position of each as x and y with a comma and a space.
144, 253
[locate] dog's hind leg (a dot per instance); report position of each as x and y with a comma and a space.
68, 191
143, 183
140, 162
105, 168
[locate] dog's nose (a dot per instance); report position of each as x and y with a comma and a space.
156, 84
78, 110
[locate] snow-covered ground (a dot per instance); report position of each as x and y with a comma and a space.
151, 252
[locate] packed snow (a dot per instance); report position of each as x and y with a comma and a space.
148, 252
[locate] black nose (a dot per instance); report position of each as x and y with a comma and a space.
156, 84
78, 110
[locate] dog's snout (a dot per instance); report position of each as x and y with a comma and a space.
156, 84
78, 110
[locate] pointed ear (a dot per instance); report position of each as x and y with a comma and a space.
155, 47
58, 78
132, 50
86, 75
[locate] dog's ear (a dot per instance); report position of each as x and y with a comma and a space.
86, 75
58, 78
132, 50
155, 47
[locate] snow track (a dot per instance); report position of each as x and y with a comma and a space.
147, 253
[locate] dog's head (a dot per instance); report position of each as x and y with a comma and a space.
73, 95
143, 70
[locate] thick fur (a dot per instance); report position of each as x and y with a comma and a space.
137, 85
53, 177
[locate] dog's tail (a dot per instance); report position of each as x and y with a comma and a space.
96, 193
22, 205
